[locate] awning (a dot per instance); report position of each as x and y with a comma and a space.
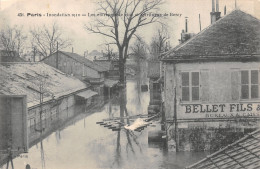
86, 94
110, 83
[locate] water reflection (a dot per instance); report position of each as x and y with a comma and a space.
74, 140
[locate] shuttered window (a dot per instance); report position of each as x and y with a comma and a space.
254, 84
204, 74
190, 86
185, 86
195, 85
235, 84
245, 83
249, 84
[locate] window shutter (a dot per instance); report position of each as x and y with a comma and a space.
235, 84
185, 83
204, 74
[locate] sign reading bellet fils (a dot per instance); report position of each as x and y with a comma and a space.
13, 124
221, 110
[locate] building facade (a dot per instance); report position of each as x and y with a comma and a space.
80, 67
60, 94
214, 76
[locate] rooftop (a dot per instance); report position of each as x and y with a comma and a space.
243, 153
236, 34
104, 63
26, 79
84, 60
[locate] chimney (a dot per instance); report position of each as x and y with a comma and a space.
217, 6
225, 10
186, 24
199, 22
72, 50
184, 34
213, 6
215, 15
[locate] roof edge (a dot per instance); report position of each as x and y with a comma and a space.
188, 41
223, 149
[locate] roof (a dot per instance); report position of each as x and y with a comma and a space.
26, 78
87, 94
104, 63
83, 60
86, 61
110, 83
235, 34
243, 153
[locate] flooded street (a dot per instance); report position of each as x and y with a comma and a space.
81, 143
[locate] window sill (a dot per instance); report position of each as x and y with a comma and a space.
190, 102
249, 100
231, 101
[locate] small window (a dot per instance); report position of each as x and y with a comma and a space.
185, 86
195, 86
249, 84
190, 86
245, 84
254, 84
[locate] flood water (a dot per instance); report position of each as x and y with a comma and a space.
82, 144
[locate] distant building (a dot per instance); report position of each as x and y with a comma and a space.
78, 66
111, 65
10, 56
61, 94
94, 54
215, 75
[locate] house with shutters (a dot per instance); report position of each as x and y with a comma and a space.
214, 75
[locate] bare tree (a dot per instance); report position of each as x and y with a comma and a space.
159, 41
45, 39
13, 40
120, 20
139, 49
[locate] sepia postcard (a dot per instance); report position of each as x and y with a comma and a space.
129, 84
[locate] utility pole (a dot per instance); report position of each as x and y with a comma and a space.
57, 56
175, 122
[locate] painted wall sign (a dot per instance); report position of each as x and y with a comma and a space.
223, 110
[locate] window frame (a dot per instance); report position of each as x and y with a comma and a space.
190, 86
249, 71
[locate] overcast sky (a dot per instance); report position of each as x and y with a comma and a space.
73, 27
